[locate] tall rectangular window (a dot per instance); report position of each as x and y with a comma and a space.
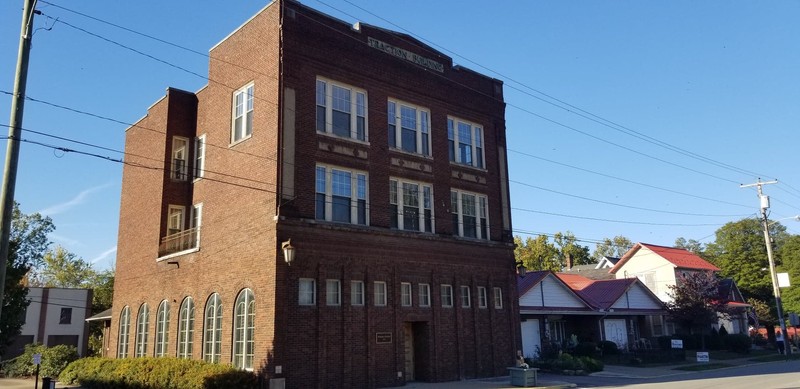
307, 294
380, 293
197, 220
175, 215
498, 298
405, 294
66, 316
333, 292
341, 110
424, 295
199, 156
356, 292
242, 114
447, 296
180, 155
482, 298
409, 127
411, 205
341, 195
469, 215
465, 141
465, 297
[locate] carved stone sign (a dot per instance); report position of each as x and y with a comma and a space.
383, 337
405, 54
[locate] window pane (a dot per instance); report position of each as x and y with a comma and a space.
468, 216
425, 133
451, 140
478, 147
465, 143
361, 121
341, 124
408, 120
410, 207
320, 196
392, 120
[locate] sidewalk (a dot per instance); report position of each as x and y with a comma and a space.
16, 383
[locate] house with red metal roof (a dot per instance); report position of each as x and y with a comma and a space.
557, 307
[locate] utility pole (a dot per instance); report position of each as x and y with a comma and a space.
14, 134
776, 290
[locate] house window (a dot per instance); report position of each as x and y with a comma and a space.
307, 294
197, 219
424, 295
180, 167
380, 293
465, 298
649, 280
244, 325
66, 316
556, 331
465, 142
409, 127
162, 329
124, 332
356, 292
186, 328
469, 215
333, 292
341, 110
447, 296
498, 298
212, 342
405, 294
199, 156
482, 298
242, 114
341, 195
410, 204
175, 219
142, 331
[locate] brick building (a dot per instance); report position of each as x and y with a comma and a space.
376, 161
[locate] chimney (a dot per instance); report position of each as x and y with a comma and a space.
569, 261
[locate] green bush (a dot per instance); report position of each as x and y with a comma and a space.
586, 349
54, 360
609, 347
155, 373
591, 365
738, 343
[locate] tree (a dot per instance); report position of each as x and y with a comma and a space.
62, 269
567, 245
27, 244
537, 254
790, 263
616, 247
695, 301
690, 245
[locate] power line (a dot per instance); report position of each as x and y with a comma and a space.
612, 220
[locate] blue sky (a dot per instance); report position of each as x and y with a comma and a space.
718, 80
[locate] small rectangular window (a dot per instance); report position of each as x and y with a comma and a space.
469, 212
199, 156
180, 156
307, 292
465, 297
409, 128
356, 292
482, 298
242, 114
333, 292
424, 295
465, 142
498, 298
405, 294
410, 205
447, 296
380, 293
341, 110
341, 195
66, 316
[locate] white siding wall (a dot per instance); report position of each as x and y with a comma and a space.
645, 261
31, 326
57, 299
555, 293
637, 298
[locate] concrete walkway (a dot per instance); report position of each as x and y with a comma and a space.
15, 383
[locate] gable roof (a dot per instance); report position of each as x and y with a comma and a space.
544, 291
604, 294
678, 257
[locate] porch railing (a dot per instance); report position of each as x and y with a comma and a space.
177, 242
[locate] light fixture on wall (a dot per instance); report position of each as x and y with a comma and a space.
288, 252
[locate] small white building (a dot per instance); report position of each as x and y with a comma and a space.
54, 316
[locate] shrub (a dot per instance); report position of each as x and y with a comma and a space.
758, 339
155, 373
738, 343
54, 360
591, 365
586, 349
609, 347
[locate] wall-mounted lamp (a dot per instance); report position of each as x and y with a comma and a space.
521, 269
288, 252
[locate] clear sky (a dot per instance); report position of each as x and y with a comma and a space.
634, 118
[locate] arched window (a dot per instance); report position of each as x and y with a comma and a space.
142, 331
212, 340
162, 329
243, 328
124, 332
186, 328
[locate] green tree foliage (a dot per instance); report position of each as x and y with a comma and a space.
612, 247
690, 245
790, 262
696, 303
537, 253
27, 244
567, 244
62, 269
740, 251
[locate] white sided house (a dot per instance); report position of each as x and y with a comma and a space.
54, 316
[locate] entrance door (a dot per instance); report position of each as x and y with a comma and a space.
615, 332
408, 342
531, 340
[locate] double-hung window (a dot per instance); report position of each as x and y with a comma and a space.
482, 298
410, 205
242, 114
307, 294
466, 142
409, 127
199, 156
180, 155
380, 293
405, 294
498, 298
341, 110
469, 215
465, 297
447, 296
357, 293
341, 195
333, 292
424, 295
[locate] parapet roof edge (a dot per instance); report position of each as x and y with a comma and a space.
235, 30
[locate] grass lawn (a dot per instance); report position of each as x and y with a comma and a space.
772, 357
703, 366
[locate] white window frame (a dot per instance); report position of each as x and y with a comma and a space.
422, 130
457, 209
483, 298
244, 330
359, 191
497, 294
357, 109
466, 300
197, 222
246, 94
424, 295
333, 292
357, 293
447, 295
406, 293
477, 148
212, 329
199, 157
307, 297
379, 293
142, 331
180, 158
123, 340
162, 330
186, 328
175, 219
424, 200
